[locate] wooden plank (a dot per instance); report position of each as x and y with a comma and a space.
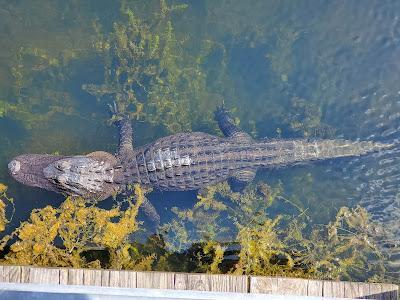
155, 280
333, 289
351, 289
314, 288
75, 276
63, 276
105, 278
363, 290
44, 275
389, 292
209, 282
375, 289
25, 272
122, 279
263, 285
292, 286
91, 277
11, 274
202, 282
3, 277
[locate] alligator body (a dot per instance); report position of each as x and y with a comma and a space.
180, 162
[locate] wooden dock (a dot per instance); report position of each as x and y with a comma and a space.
198, 282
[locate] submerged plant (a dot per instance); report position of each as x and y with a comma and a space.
60, 236
148, 72
39, 88
281, 245
4, 201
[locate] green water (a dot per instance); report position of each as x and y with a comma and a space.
286, 69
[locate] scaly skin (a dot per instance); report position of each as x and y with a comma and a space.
211, 159
180, 162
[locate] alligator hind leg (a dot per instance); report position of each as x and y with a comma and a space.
241, 179
124, 125
228, 127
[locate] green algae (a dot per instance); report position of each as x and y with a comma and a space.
221, 223
149, 73
60, 236
283, 244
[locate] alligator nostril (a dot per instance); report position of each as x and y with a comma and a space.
14, 166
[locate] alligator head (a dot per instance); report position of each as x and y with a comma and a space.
93, 176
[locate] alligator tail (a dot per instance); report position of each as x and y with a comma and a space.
326, 149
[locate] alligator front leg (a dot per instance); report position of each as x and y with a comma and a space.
125, 147
125, 150
228, 127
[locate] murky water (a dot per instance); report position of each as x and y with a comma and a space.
325, 69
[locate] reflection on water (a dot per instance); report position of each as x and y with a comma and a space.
286, 69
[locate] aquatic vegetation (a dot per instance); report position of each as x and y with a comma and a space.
304, 117
39, 86
281, 56
148, 72
60, 236
200, 239
5, 214
281, 245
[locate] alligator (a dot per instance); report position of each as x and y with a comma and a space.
179, 162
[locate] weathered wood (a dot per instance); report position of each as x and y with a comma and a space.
292, 286
208, 282
374, 289
123, 279
105, 278
333, 289
363, 290
44, 275
25, 274
91, 277
63, 276
389, 292
75, 276
351, 289
10, 274
158, 280
264, 285
314, 287
202, 282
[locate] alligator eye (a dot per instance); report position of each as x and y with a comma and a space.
14, 166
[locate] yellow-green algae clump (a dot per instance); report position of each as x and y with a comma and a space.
59, 236
224, 232
263, 244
